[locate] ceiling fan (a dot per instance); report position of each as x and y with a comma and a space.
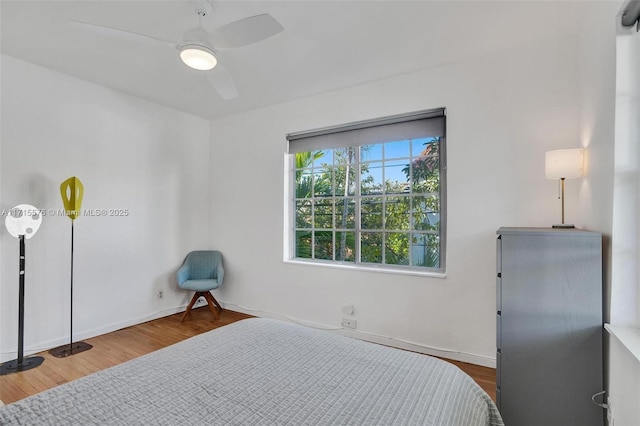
198, 47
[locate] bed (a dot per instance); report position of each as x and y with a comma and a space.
266, 372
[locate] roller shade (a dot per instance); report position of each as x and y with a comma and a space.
423, 124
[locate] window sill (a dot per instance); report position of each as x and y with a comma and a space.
628, 336
380, 269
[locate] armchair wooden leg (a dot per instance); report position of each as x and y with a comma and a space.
211, 301
193, 302
215, 302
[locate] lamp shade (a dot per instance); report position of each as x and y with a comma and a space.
563, 163
23, 219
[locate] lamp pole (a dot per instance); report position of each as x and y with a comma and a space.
72, 191
562, 191
23, 222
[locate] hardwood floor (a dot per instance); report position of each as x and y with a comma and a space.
484, 376
122, 345
111, 349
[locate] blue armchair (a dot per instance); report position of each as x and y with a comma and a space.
202, 271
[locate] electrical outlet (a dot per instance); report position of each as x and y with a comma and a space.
349, 323
200, 302
160, 294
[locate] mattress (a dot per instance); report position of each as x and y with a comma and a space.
266, 372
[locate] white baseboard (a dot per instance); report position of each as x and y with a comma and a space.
375, 338
369, 337
414, 347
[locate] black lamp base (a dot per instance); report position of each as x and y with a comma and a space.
70, 349
14, 366
563, 226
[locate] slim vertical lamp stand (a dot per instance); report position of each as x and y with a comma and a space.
562, 224
72, 191
23, 221
564, 164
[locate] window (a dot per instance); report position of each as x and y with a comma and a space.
370, 193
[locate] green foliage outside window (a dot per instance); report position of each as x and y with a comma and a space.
377, 204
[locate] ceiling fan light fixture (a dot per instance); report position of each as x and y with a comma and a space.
198, 57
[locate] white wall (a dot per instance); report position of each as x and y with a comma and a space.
503, 112
596, 127
130, 154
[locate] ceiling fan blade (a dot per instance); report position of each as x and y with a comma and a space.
122, 34
222, 81
246, 31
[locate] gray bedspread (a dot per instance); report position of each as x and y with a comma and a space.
266, 372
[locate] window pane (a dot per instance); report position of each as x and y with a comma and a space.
323, 213
304, 184
324, 158
303, 213
432, 146
396, 248
397, 213
371, 247
371, 178
426, 177
425, 169
396, 181
398, 149
425, 250
345, 213
345, 246
371, 152
322, 183
304, 160
303, 244
418, 146
426, 213
323, 245
371, 213
344, 171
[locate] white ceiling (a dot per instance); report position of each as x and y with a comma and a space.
326, 45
